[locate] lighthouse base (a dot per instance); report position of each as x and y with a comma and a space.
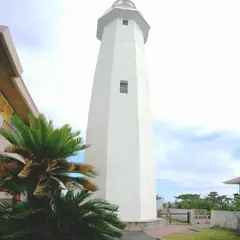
145, 225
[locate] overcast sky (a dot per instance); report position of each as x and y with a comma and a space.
194, 73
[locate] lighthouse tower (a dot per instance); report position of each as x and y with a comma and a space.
119, 122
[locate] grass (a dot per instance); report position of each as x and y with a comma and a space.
207, 234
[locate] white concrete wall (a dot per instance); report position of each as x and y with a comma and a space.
4, 195
180, 217
98, 118
146, 139
160, 204
119, 125
123, 167
225, 219
3, 143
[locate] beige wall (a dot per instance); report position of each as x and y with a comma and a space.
11, 83
225, 219
3, 142
12, 86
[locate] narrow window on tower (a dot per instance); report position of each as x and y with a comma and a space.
123, 87
125, 22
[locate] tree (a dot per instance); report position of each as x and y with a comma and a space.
158, 197
169, 205
236, 202
187, 201
36, 165
103, 215
213, 201
224, 202
218, 202
188, 197
73, 217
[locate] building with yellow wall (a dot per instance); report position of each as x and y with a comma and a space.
14, 96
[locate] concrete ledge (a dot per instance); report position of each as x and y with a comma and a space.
194, 230
11, 50
145, 225
138, 235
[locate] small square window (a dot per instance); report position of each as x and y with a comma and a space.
123, 87
125, 22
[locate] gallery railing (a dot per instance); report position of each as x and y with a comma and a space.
9, 126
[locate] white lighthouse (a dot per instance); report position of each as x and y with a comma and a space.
119, 122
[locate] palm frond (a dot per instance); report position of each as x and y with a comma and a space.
41, 190
26, 170
5, 156
17, 235
60, 183
8, 135
82, 196
33, 121
85, 169
102, 204
22, 133
50, 126
95, 221
10, 168
36, 164
24, 152
76, 181
26, 214
13, 186
5, 207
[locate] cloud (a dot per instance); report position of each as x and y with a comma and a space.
189, 159
31, 24
193, 64
193, 160
193, 56
57, 69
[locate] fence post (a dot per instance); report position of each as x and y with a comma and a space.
188, 217
212, 218
192, 215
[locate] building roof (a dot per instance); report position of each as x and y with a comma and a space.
11, 82
233, 181
11, 53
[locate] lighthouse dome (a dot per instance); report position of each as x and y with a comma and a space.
124, 3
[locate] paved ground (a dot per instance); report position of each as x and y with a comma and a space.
202, 224
168, 229
137, 236
162, 231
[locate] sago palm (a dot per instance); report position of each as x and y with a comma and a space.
80, 218
71, 218
36, 162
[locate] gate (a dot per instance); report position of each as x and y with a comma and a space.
195, 217
178, 216
201, 217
